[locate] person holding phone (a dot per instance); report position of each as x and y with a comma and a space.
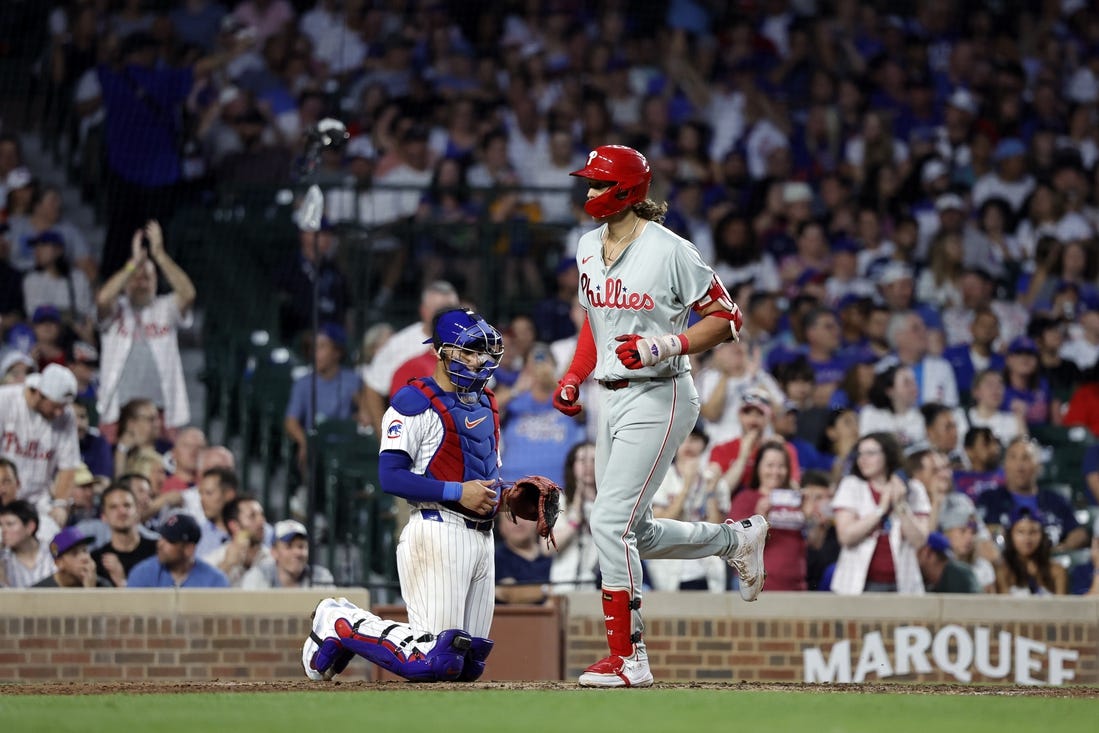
881, 520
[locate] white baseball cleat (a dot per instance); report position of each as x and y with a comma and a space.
615, 671
747, 558
322, 654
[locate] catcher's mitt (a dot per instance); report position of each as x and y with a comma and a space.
535, 498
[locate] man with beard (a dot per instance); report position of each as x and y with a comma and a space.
175, 564
127, 547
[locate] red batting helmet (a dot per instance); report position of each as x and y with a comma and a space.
626, 168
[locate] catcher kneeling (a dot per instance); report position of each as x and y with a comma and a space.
440, 452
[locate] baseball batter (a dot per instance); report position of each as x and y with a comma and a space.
638, 284
440, 452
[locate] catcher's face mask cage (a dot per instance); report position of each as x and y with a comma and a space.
470, 349
625, 169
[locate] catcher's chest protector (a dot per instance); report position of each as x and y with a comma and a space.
471, 437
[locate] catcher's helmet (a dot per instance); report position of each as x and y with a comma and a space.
624, 167
480, 344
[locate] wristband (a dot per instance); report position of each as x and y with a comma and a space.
452, 491
130, 266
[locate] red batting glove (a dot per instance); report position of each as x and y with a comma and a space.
566, 395
628, 351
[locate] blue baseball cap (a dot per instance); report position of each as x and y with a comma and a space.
45, 314
938, 542
1022, 345
334, 333
1009, 147
66, 540
180, 527
1020, 513
47, 237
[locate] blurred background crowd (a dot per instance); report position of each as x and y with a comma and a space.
903, 198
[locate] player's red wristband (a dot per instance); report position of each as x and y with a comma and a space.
684, 344
583, 361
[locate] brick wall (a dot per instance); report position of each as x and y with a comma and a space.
702, 636
88, 635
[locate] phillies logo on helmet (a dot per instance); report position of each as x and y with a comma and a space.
625, 169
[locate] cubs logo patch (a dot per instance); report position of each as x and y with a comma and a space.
394, 429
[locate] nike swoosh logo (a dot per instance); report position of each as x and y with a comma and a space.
585, 260
470, 424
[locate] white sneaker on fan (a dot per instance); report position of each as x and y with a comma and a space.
615, 671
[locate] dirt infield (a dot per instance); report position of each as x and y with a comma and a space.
187, 688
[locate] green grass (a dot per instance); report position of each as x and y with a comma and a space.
533, 711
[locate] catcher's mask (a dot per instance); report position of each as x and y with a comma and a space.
469, 348
625, 169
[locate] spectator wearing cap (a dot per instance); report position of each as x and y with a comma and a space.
1020, 491
942, 573
85, 367
126, 545
84, 496
39, 437
733, 369
969, 356
337, 387
296, 281
53, 282
844, 285
910, 340
953, 138
48, 332
21, 185
1025, 390
897, 288
74, 565
24, 559
969, 538
139, 333
244, 519
175, 564
46, 215
1010, 179
1028, 568
949, 215
288, 564
733, 462
15, 366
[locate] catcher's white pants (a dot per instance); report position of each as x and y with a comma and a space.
447, 571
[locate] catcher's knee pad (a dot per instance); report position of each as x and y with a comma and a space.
423, 658
331, 658
479, 649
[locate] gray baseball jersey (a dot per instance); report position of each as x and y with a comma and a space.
648, 290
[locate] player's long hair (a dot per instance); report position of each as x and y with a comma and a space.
649, 209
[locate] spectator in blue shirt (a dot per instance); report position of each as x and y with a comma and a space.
175, 564
1020, 491
522, 567
336, 388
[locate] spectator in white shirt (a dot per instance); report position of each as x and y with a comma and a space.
24, 560
1010, 181
1082, 346
908, 336
893, 408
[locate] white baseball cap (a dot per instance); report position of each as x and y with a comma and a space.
56, 383
932, 169
19, 177
288, 529
964, 100
10, 358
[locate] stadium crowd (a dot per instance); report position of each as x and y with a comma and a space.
902, 197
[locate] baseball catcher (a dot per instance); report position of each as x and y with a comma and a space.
535, 498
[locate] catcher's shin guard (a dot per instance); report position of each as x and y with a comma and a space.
479, 650
424, 658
